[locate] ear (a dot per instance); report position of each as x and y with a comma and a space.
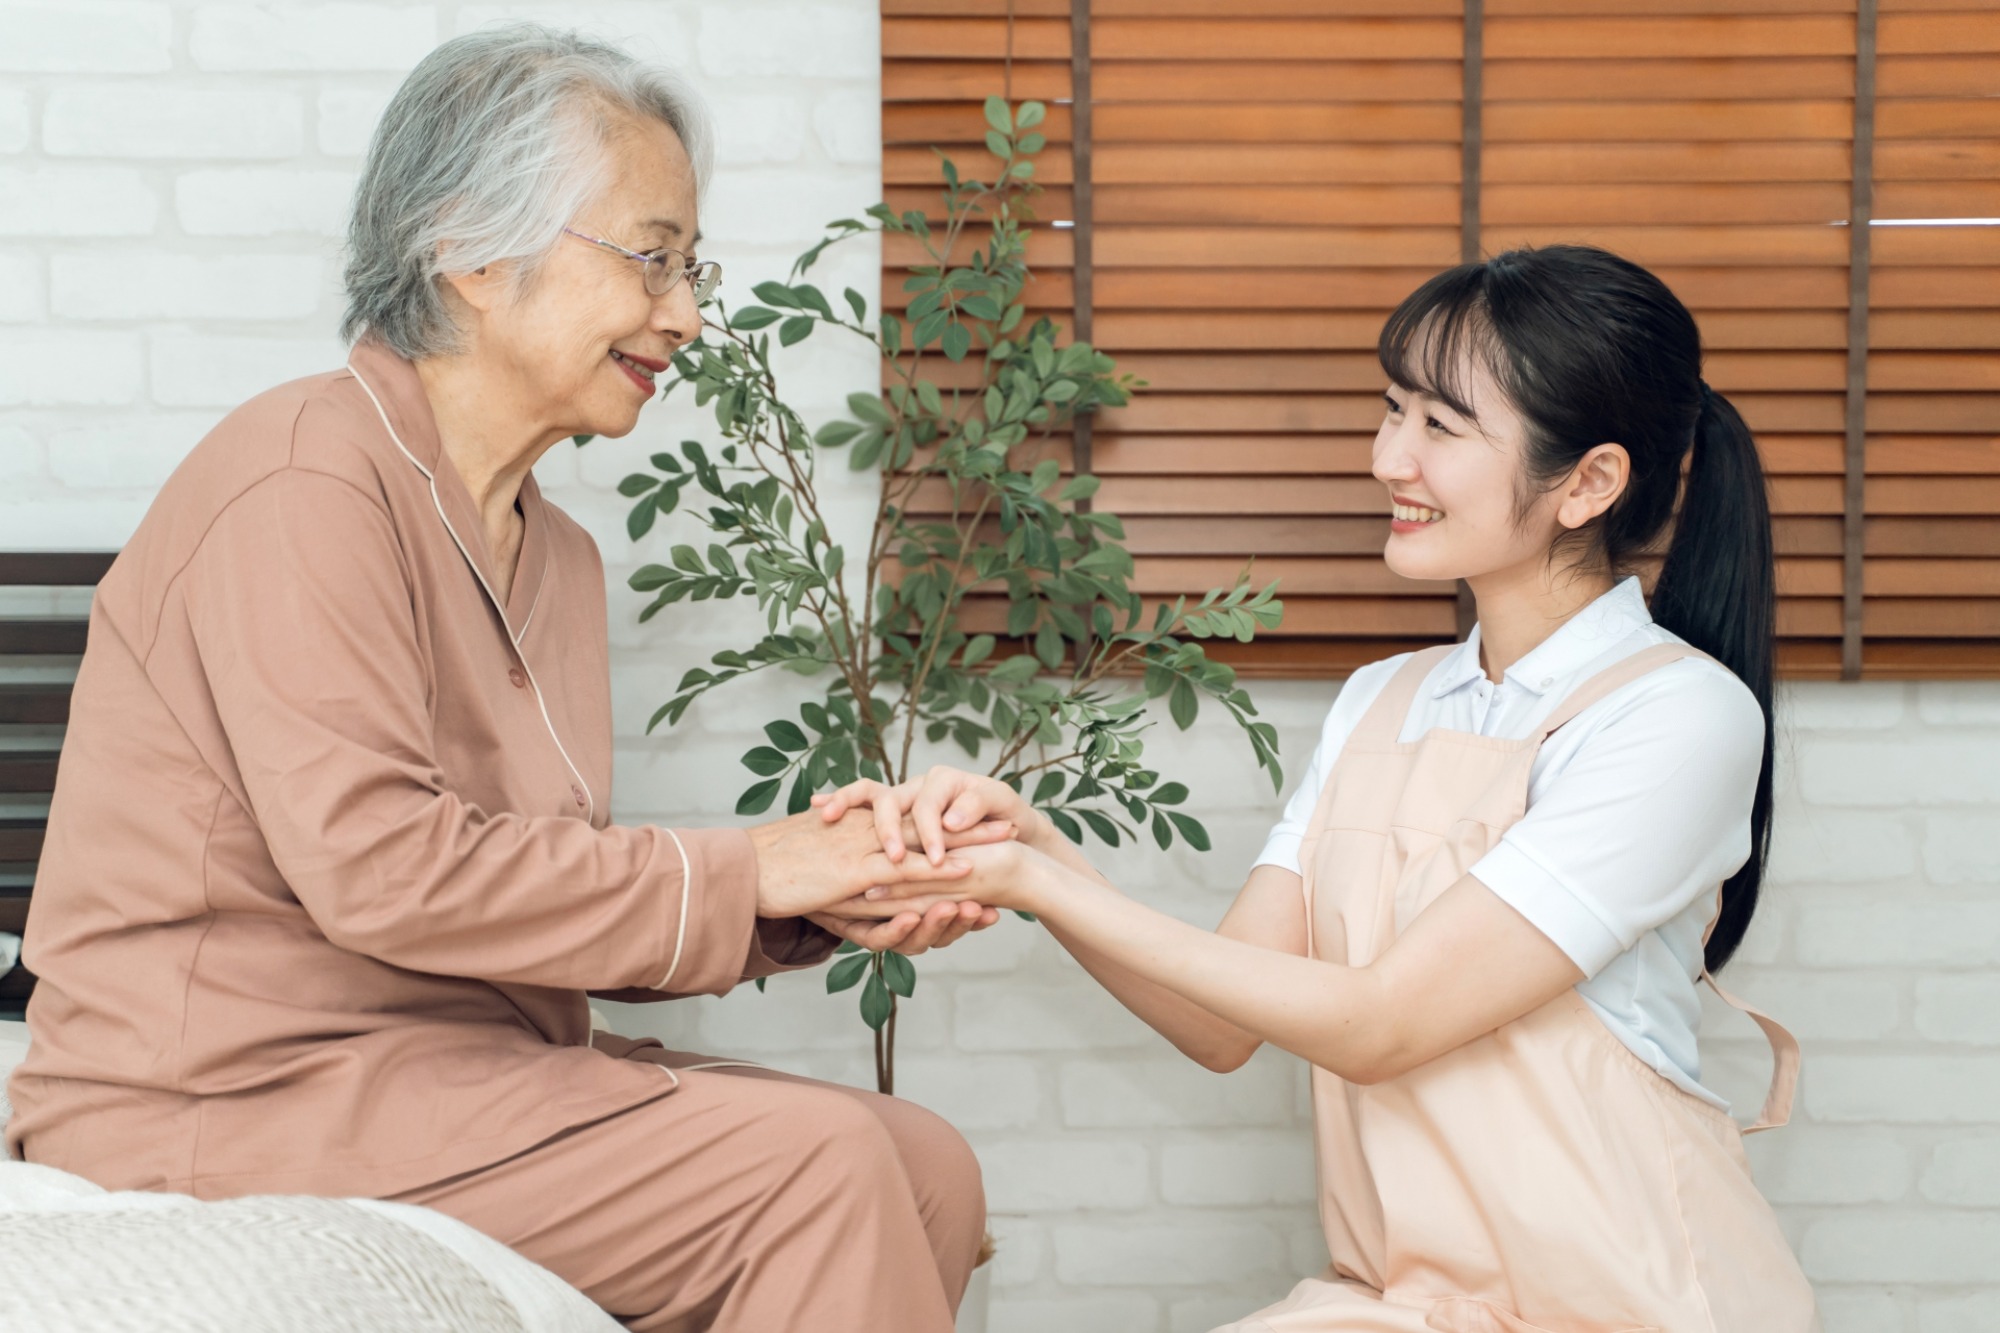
483, 289
1599, 479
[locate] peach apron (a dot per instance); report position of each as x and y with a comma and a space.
1541, 1179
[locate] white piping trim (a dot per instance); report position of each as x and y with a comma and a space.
729, 1064
687, 892
590, 799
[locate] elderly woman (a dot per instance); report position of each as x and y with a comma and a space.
330, 871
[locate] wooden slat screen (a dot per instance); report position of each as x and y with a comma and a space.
1268, 185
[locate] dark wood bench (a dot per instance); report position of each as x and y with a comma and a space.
39, 648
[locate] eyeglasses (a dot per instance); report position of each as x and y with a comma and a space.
664, 268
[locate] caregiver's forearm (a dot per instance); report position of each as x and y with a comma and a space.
1330, 1015
1198, 1034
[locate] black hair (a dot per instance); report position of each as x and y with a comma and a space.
1592, 349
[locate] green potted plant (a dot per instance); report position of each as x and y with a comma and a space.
992, 609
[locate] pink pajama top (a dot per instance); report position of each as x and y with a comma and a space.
330, 868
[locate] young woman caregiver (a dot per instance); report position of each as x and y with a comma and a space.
1484, 914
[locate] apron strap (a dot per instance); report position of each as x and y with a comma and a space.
1784, 1060
1614, 677
1382, 724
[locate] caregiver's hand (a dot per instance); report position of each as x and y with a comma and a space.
943, 805
910, 931
808, 863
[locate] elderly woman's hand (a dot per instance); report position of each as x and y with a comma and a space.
807, 864
910, 932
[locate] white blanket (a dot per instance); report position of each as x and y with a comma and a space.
79, 1258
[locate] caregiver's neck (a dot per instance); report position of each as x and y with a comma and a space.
1521, 606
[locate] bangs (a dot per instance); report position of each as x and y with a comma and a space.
1437, 335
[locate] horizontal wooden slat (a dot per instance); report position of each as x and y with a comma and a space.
1704, 79
21, 839
1590, 163
40, 705
41, 635
1604, 122
54, 569
27, 772
1569, 38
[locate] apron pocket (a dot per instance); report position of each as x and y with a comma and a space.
1462, 1314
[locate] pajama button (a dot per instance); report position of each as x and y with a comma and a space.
577, 792
518, 676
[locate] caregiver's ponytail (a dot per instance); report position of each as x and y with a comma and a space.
1718, 590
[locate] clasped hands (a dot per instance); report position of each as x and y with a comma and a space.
909, 867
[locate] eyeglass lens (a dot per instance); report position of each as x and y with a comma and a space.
664, 272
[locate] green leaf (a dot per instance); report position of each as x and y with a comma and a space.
977, 650
777, 294
836, 433
786, 736
802, 789
1048, 788
858, 303
1191, 830
1163, 832
758, 799
999, 116
1171, 793
1101, 826
795, 330
1071, 829
1031, 115
764, 761
869, 407
956, 341
1079, 488
875, 1002
752, 317
847, 973
760, 984
900, 973
637, 484
1049, 646
1182, 704
640, 521
999, 145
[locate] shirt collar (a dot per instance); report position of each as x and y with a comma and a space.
1581, 640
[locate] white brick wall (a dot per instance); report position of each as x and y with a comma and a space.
172, 183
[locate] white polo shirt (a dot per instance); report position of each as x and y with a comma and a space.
1637, 810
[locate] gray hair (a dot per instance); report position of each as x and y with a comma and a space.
484, 149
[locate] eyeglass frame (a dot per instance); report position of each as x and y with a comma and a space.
688, 271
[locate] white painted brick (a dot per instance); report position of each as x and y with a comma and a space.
45, 368
1903, 1247
973, 1092
1860, 1312
1959, 1009
23, 289
79, 36
16, 127
1221, 1173
1202, 1314
1811, 846
1814, 1164
264, 201
1954, 769
157, 285
1977, 1313
1062, 1016
784, 208
198, 370
347, 118
1964, 1173
650, 31
1166, 1256
783, 40
1904, 1089
1065, 1175
303, 37
1804, 706
22, 458
848, 124
148, 121
126, 451
1176, 1091
756, 129
1894, 934
1959, 703
1003, 948
1020, 1250
1814, 1006
73, 201
1963, 849
1074, 1314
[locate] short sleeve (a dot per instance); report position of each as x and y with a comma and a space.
1651, 812
1281, 849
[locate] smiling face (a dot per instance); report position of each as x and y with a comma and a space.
577, 347
1460, 503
